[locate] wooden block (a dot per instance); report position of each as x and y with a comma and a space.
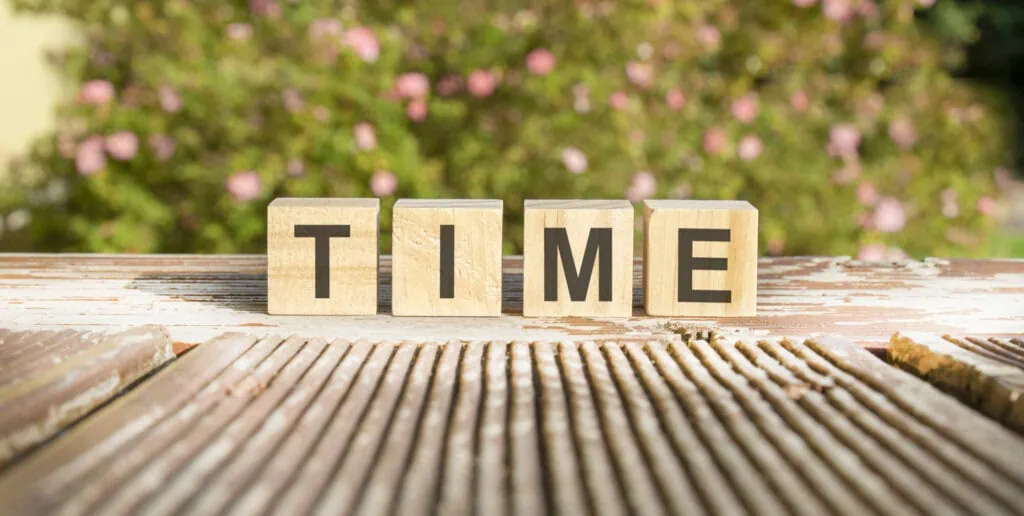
322, 256
700, 258
578, 258
446, 257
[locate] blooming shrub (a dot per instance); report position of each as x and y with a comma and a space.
838, 119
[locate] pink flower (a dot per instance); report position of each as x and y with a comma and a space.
239, 31
675, 99
744, 108
866, 194
838, 10
868, 9
843, 140
292, 100
321, 113
89, 157
244, 186
170, 101
324, 28
268, 8
449, 85
889, 215
162, 145
682, 191
412, 86
847, 174
799, 101
986, 205
296, 167
481, 83
575, 160
364, 43
750, 148
540, 62
715, 140
619, 101
709, 37
96, 91
416, 110
122, 145
383, 183
903, 133
804, 3
640, 74
925, 3
872, 253
366, 138
643, 185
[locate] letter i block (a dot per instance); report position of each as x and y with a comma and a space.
700, 258
446, 257
322, 256
578, 258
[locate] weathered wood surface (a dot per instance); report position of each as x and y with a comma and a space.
246, 425
199, 297
49, 379
987, 373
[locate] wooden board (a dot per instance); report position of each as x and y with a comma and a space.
986, 373
729, 426
50, 379
198, 297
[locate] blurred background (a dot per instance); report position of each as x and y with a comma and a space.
871, 128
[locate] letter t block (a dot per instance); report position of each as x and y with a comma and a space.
578, 258
700, 258
446, 257
322, 256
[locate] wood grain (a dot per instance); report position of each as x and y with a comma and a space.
351, 267
578, 218
663, 221
746, 425
475, 278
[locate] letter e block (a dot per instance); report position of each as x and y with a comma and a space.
578, 258
700, 258
446, 257
322, 256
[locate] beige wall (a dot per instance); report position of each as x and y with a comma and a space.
29, 87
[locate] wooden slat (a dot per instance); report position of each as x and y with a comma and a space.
247, 425
987, 373
48, 380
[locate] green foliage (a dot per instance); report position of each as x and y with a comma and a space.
840, 120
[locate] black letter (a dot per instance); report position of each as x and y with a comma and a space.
556, 242
322, 236
447, 261
688, 264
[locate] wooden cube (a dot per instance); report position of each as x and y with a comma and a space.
578, 258
700, 258
322, 256
446, 257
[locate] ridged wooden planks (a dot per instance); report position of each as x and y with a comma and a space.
987, 373
253, 425
50, 379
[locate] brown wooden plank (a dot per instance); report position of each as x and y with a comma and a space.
37, 402
980, 372
723, 426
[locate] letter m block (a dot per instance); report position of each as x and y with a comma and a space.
322, 256
578, 258
700, 258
